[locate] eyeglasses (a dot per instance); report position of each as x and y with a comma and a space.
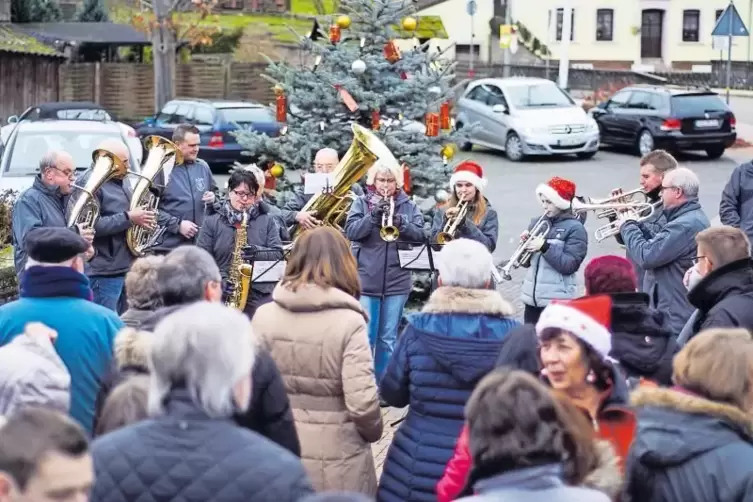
697, 259
385, 181
67, 173
669, 188
242, 195
324, 166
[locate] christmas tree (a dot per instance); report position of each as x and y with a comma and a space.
93, 11
354, 72
35, 11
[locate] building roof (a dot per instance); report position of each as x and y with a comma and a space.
425, 4
84, 33
21, 43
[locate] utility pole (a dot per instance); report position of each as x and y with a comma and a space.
163, 52
729, 52
507, 54
567, 28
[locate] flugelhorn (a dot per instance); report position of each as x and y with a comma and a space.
522, 257
637, 196
639, 211
453, 222
389, 232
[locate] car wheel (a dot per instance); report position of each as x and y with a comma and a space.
514, 147
465, 146
715, 152
585, 155
645, 142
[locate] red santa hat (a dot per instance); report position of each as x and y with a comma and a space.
586, 318
470, 172
559, 191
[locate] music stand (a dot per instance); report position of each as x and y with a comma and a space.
420, 257
269, 271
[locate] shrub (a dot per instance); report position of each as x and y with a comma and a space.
7, 200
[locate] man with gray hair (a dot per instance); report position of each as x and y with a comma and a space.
188, 275
43, 204
668, 254
326, 161
108, 267
200, 359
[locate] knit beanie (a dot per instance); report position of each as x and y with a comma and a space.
610, 274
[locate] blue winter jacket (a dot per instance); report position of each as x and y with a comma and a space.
736, 205
443, 352
666, 257
551, 275
372, 253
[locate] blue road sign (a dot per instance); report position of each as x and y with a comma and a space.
471, 7
723, 25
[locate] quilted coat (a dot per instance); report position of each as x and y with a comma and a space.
445, 350
185, 456
318, 339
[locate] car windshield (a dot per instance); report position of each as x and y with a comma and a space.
698, 104
78, 114
248, 115
28, 148
537, 96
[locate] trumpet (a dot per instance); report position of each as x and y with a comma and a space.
389, 232
639, 211
521, 257
637, 196
453, 222
643, 213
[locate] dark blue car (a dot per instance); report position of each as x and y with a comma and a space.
215, 119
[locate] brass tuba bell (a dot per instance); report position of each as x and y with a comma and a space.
85, 211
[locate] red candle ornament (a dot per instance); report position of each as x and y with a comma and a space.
375, 120
391, 52
432, 124
281, 108
407, 183
334, 34
444, 116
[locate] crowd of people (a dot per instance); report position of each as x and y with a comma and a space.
130, 378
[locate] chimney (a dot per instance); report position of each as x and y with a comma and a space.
5, 11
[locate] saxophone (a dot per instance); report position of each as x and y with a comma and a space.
241, 272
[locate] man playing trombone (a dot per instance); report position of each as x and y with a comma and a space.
468, 213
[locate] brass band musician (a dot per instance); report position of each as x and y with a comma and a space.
218, 234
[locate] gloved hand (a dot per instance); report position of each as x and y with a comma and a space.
379, 209
249, 252
535, 244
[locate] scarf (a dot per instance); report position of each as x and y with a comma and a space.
52, 282
234, 217
373, 198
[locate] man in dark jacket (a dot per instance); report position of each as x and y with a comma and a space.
190, 193
189, 274
736, 206
724, 295
326, 161
43, 204
669, 253
112, 259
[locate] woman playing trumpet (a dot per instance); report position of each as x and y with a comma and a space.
480, 221
385, 285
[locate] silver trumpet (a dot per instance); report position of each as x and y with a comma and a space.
389, 232
638, 211
522, 257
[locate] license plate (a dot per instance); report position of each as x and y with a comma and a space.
706, 124
569, 142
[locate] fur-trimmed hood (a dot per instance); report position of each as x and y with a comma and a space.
607, 476
131, 349
463, 329
675, 425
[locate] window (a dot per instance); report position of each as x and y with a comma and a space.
691, 25
718, 14
697, 104
203, 116
463, 51
641, 101
183, 114
167, 111
547, 95
494, 96
619, 100
560, 19
604, 25
246, 116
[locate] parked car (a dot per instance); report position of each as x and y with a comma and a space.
73, 110
29, 140
672, 118
525, 116
216, 120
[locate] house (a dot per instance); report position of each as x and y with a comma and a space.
646, 35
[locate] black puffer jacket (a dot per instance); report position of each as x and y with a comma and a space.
269, 414
724, 298
184, 455
688, 449
642, 342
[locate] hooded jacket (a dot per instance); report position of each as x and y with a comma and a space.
445, 350
689, 449
736, 205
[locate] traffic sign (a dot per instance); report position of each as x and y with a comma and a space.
471, 7
730, 24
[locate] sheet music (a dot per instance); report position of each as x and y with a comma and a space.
418, 258
272, 270
317, 182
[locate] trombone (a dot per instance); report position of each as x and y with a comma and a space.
389, 232
522, 257
453, 222
639, 211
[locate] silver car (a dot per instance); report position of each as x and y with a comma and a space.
526, 116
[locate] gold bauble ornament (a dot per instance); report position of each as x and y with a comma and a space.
277, 170
278, 90
410, 24
343, 22
449, 150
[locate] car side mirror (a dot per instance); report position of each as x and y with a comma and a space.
13, 119
500, 109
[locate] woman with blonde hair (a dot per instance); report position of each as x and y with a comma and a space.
126, 405
315, 329
694, 441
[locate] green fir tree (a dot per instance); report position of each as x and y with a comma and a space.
93, 11
401, 92
35, 11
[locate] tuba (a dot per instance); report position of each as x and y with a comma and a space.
239, 278
85, 211
451, 226
162, 157
332, 207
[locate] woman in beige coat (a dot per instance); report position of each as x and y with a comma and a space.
315, 329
